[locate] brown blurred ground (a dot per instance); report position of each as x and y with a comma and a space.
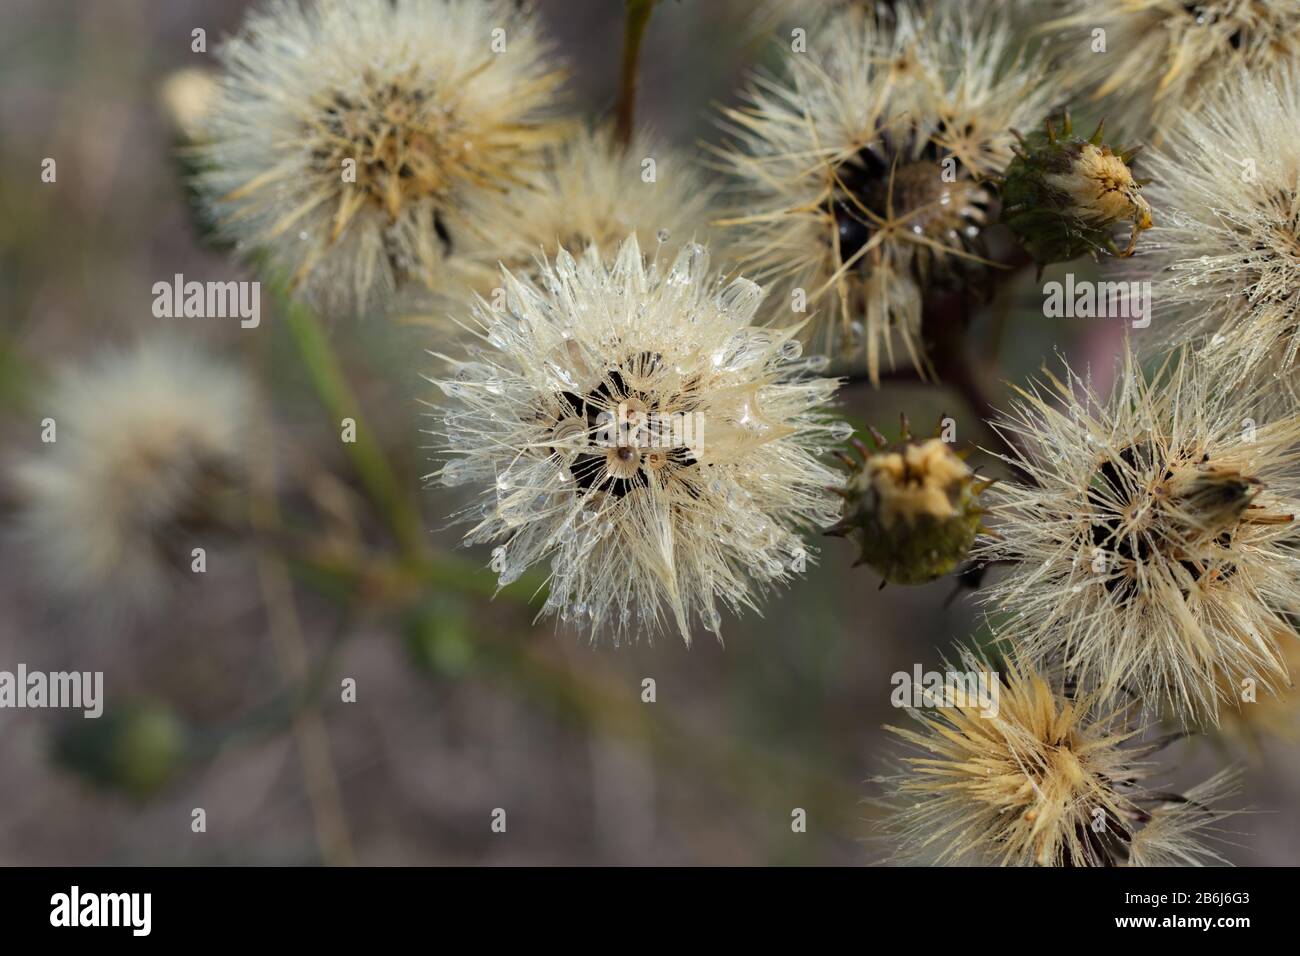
787, 715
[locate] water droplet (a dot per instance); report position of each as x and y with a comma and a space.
841, 431
454, 473
563, 375
565, 266
743, 349
690, 266
740, 299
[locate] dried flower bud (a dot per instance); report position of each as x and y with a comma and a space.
1063, 195
911, 508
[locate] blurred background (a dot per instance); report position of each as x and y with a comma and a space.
462, 705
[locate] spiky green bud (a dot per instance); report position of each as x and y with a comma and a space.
911, 508
1063, 195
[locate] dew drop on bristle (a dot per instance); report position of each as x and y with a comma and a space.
841, 431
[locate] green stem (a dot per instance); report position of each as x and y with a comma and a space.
634, 27
388, 581
367, 456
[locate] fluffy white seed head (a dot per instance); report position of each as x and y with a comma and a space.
348, 136
591, 190
149, 452
1147, 60
1043, 779
633, 428
863, 170
1227, 184
1154, 554
1183, 828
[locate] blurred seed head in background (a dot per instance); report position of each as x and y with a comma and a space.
1144, 61
150, 450
347, 137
